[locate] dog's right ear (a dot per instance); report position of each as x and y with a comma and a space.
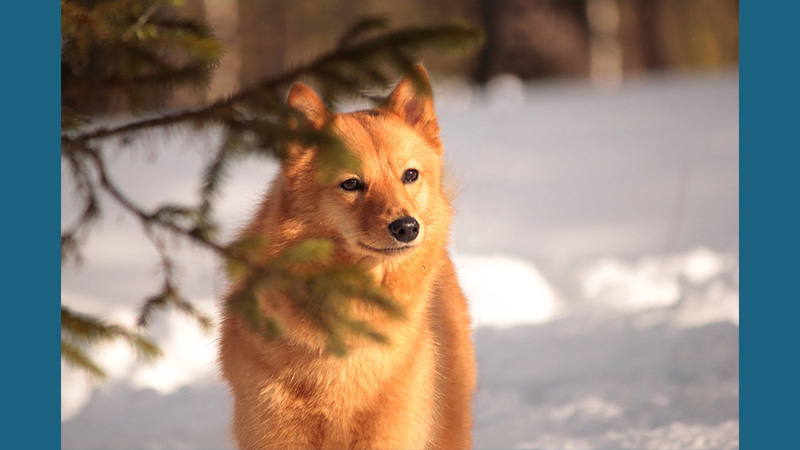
303, 99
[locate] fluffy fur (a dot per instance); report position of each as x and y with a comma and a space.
411, 394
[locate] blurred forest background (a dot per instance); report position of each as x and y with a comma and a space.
603, 41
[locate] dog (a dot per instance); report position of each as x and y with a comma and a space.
391, 217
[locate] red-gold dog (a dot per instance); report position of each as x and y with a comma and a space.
391, 217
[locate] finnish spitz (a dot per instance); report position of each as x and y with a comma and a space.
391, 217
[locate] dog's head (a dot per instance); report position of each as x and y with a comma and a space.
393, 201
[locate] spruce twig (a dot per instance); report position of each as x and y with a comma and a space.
390, 47
115, 46
79, 330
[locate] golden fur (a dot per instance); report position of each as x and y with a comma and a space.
411, 394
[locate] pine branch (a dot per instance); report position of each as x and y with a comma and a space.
256, 122
79, 331
170, 294
391, 47
132, 51
76, 357
325, 295
84, 187
140, 22
361, 28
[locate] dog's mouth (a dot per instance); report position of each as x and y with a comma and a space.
388, 250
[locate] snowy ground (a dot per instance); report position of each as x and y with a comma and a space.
596, 238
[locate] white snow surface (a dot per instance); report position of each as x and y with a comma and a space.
596, 239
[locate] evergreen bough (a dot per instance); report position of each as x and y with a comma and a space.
137, 52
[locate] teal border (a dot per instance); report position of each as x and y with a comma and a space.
768, 193
768, 153
30, 38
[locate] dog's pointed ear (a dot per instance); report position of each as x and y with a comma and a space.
412, 101
303, 99
296, 155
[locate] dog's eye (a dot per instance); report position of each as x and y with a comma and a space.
351, 185
410, 176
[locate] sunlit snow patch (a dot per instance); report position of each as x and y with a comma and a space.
701, 284
505, 291
115, 358
188, 352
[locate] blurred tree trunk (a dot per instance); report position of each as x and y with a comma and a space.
533, 39
606, 51
223, 17
488, 9
262, 37
651, 45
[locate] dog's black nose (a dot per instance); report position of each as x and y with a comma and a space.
404, 229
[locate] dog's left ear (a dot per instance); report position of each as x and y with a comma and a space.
412, 101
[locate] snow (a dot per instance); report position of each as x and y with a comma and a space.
596, 239
655, 281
